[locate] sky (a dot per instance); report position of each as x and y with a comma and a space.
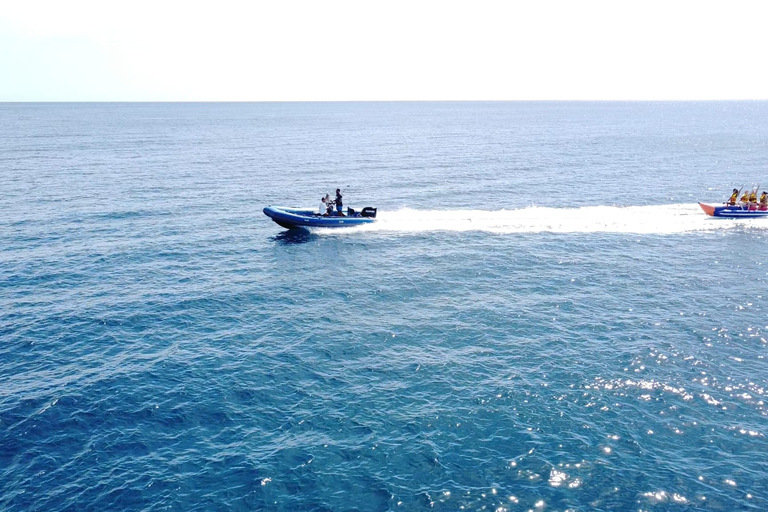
365, 50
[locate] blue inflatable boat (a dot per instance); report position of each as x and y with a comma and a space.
734, 211
293, 218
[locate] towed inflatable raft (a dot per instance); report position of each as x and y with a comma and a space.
294, 218
733, 212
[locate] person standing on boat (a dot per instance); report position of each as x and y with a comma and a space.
339, 204
734, 197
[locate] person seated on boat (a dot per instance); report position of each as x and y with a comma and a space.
323, 208
734, 197
338, 202
764, 201
745, 199
753, 200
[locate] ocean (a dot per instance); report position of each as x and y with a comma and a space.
541, 318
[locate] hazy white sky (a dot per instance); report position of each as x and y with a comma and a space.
227, 50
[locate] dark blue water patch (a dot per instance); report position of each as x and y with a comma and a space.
294, 236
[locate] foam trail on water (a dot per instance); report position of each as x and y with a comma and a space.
661, 219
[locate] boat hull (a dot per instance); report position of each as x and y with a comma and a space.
732, 212
298, 218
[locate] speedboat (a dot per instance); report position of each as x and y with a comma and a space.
293, 218
733, 211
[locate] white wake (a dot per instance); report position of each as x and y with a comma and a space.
663, 219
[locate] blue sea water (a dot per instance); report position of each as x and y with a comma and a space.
541, 318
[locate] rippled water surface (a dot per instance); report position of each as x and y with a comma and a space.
541, 318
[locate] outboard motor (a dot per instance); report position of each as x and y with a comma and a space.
368, 212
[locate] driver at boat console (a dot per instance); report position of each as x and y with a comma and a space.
339, 204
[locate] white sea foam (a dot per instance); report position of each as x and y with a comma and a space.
661, 219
